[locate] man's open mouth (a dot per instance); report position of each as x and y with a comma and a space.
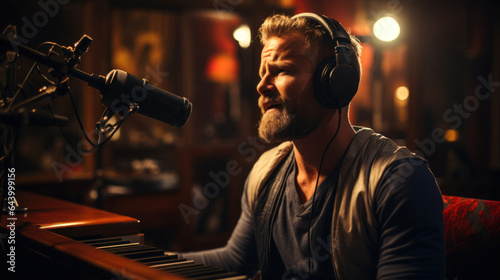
270, 106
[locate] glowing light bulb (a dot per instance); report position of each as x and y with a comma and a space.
243, 35
386, 29
451, 135
402, 93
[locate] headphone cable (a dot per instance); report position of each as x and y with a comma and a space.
314, 193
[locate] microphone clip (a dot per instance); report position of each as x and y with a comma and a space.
104, 127
72, 56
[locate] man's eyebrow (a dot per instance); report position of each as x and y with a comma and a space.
287, 64
284, 63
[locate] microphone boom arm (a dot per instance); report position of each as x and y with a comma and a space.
93, 80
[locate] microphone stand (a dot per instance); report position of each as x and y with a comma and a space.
22, 114
12, 117
9, 204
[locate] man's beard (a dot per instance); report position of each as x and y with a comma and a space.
285, 123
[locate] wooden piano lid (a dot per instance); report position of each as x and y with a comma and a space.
71, 219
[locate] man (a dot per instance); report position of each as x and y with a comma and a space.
332, 201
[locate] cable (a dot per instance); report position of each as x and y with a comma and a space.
314, 193
95, 145
78, 118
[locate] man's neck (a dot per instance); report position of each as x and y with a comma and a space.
309, 151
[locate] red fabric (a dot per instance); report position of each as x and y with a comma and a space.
472, 234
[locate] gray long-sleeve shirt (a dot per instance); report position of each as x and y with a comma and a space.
409, 213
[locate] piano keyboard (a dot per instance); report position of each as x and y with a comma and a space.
131, 247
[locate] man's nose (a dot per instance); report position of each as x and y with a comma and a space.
265, 85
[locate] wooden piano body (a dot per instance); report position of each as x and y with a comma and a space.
46, 245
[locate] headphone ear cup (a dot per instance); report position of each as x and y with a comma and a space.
343, 83
335, 85
322, 83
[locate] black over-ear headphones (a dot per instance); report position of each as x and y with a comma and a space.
336, 79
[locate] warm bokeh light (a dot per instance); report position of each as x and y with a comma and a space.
243, 35
402, 93
223, 68
451, 135
386, 29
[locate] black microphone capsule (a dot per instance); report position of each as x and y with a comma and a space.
122, 89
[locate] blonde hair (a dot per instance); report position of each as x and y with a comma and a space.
314, 34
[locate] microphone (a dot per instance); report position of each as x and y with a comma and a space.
121, 90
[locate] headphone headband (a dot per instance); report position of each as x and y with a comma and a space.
336, 80
334, 28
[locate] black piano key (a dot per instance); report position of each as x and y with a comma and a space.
101, 243
183, 267
151, 263
171, 264
158, 264
143, 253
126, 248
173, 261
136, 251
156, 258
100, 240
110, 243
119, 247
200, 272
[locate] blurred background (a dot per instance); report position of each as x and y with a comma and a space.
431, 77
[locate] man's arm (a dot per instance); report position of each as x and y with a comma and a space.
409, 209
240, 252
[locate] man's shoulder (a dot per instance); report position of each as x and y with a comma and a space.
372, 155
263, 168
276, 153
372, 144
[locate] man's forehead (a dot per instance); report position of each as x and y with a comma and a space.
285, 47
